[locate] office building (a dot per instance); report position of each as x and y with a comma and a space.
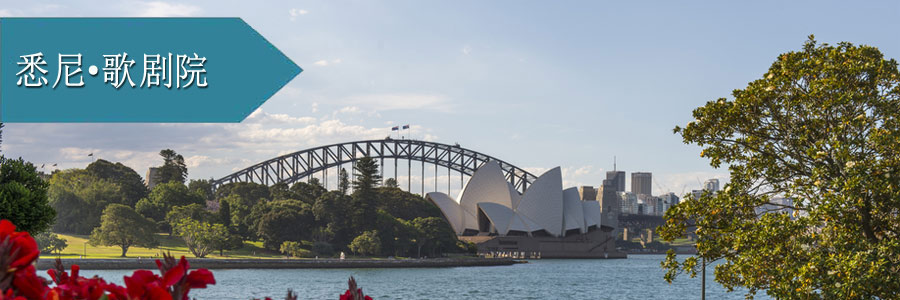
642, 183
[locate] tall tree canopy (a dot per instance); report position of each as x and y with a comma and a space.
79, 198
123, 227
23, 196
173, 168
364, 194
820, 128
129, 181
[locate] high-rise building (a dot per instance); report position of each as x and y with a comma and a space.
151, 179
609, 198
669, 199
628, 202
587, 192
618, 179
711, 185
642, 183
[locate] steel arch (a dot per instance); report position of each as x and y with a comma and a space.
290, 168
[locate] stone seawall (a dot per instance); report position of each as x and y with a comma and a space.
208, 263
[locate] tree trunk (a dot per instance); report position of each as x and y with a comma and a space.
419, 251
124, 250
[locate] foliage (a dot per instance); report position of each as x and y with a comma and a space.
129, 181
193, 211
173, 169
366, 243
307, 192
405, 205
282, 220
23, 196
203, 187
223, 216
820, 128
249, 192
201, 238
322, 248
343, 181
432, 233
391, 183
291, 249
79, 198
364, 195
164, 197
121, 226
50, 242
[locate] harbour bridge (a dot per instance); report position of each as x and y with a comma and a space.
316, 162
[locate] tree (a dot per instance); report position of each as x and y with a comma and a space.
224, 213
307, 192
23, 196
344, 181
331, 210
173, 168
282, 220
291, 249
129, 181
391, 183
364, 195
250, 192
203, 187
50, 242
432, 232
123, 227
821, 128
366, 243
79, 198
193, 211
201, 238
405, 205
165, 196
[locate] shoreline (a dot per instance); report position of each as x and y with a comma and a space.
330, 263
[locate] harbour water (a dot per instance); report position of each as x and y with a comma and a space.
638, 277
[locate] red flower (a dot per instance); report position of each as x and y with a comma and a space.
24, 250
198, 279
28, 284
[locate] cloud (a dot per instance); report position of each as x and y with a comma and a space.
163, 9
6, 13
466, 50
401, 101
295, 12
323, 62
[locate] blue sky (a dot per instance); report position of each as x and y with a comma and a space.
539, 84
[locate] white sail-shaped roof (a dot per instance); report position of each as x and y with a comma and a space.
499, 215
592, 214
543, 202
459, 219
573, 214
514, 196
486, 185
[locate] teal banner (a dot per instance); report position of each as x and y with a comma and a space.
136, 70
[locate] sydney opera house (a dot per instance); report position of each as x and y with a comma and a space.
545, 221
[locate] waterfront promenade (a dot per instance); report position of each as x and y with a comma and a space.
329, 263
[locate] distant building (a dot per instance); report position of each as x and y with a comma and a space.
609, 198
151, 179
587, 193
777, 205
669, 200
711, 185
618, 180
642, 183
628, 202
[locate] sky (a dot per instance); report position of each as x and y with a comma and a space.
537, 84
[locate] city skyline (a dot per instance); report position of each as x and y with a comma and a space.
582, 85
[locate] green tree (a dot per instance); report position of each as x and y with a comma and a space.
191, 211
307, 192
391, 183
291, 249
364, 194
250, 192
173, 168
405, 205
79, 198
821, 128
344, 181
129, 181
367, 243
224, 213
23, 196
203, 187
50, 242
123, 227
331, 210
201, 238
165, 196
432, 233
282, 220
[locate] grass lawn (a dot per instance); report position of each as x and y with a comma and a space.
78, 245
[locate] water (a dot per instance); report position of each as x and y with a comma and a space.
638, 277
